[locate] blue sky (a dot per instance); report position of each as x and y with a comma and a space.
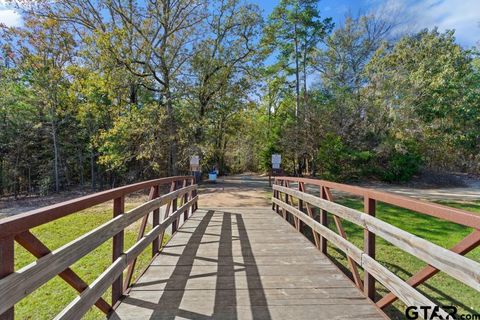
461, 15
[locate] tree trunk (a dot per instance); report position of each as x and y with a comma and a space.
171, 128
1, 177
55, 161
297, 76
15, 178
305, 93
92, 170
29, 181
297, 87
80, 164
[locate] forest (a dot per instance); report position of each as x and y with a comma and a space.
100, 93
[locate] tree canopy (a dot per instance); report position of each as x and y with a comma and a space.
104, 92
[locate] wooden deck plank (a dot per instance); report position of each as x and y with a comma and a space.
243, 263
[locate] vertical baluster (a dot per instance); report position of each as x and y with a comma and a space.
274, 196
185, 200
165, 215
7, 266
300, 206
174, 208
369, 248
191, 195
287, 185
301, 187
323, 221
118, 239
287, 201
155, 221
284, 212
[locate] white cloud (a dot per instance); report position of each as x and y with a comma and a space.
10, 17
461, 15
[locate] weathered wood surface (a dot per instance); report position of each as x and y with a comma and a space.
32, 276
243, 264
455, 265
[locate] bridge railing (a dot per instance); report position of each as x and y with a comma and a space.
16, 285
452, 262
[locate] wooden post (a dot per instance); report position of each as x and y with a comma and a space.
118, 239
174, 222
166, 214
274, 196
7, 266
369, 248
301, 187
284, 212
323, 221
174, 208
155, 222
185, 200
191, 195
287, 201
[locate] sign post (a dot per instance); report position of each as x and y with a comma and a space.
276, 161
195, 167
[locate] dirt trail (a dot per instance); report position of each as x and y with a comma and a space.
244, 190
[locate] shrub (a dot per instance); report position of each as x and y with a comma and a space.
338, 162
400, 164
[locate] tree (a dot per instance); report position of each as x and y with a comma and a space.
16, 114
342, 70
227, 51
42, 50
426, 83
153, 40
294, 30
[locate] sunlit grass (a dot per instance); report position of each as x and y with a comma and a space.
52, 297
442, 288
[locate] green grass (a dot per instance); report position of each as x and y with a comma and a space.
52, 297
441, 288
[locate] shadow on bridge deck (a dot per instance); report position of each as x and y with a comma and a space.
242, 263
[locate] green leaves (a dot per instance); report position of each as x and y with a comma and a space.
295, 21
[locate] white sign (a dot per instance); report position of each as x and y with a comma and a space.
276, 159
275, 165
194, 160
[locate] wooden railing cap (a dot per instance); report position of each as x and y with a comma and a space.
455, 215
16, 224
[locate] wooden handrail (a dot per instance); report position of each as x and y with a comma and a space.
78, 307
432, 209
34, 218
407, 293
452, 262
14, 286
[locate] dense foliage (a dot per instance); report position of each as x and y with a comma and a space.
103, 92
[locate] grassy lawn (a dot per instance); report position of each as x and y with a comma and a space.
52, 297
441, 288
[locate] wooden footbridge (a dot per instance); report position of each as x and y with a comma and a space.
236, 263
